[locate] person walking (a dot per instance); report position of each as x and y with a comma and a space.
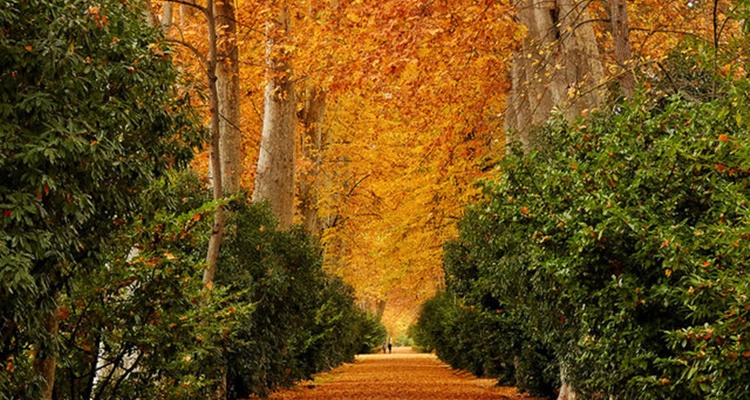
390, 345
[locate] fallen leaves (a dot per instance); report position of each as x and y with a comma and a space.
401, 375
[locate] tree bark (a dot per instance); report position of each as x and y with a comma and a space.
566, 390
618, 15
311, 145
166, 15
557, 65
217, 230
45, 358
228, 90
274, 181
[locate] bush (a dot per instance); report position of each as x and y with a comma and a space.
304, 320
92, 111
484, 342
621, 247
144, 326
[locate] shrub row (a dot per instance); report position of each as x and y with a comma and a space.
144, 326
613, 257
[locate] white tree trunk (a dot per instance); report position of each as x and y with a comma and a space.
558, 65
45, 359
274, 181
566, 390
217, 230
228, 90
166, 15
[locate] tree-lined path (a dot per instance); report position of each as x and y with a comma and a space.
401, 375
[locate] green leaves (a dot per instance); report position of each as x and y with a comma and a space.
620, 245
79, 137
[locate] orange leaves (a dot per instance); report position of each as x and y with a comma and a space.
101, 19
63, 313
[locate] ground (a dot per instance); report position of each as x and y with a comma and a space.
401, 375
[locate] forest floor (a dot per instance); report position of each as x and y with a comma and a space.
401, 375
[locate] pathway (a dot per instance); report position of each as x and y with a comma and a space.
401, 375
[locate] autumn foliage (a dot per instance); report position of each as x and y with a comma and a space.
615, 252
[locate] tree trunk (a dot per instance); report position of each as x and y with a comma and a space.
557, 66
274, 181
228, 90
45, 359
618, 15
311, 149
380, 308
566, 391
217, 230
166, 15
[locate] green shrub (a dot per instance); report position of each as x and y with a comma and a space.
304, 321
621, 247
143, 326
92, 111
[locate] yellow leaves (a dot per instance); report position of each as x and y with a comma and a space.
353, 17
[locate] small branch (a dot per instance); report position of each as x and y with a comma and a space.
189, 4
189, 46
664, 31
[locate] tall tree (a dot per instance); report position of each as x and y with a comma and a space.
618, 16
275, 176
69, 174
228, 90
217, 229
311, 144
557, 66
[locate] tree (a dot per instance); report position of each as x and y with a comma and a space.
91, 114
618, 15
275, 176
557, 66
312, 143
228, 91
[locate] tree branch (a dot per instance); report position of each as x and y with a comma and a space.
189, 4
189, 46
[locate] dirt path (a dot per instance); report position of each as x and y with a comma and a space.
401, 375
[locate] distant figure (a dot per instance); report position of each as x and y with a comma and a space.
385, 345
390, 346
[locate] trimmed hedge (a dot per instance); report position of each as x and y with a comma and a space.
618, 252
